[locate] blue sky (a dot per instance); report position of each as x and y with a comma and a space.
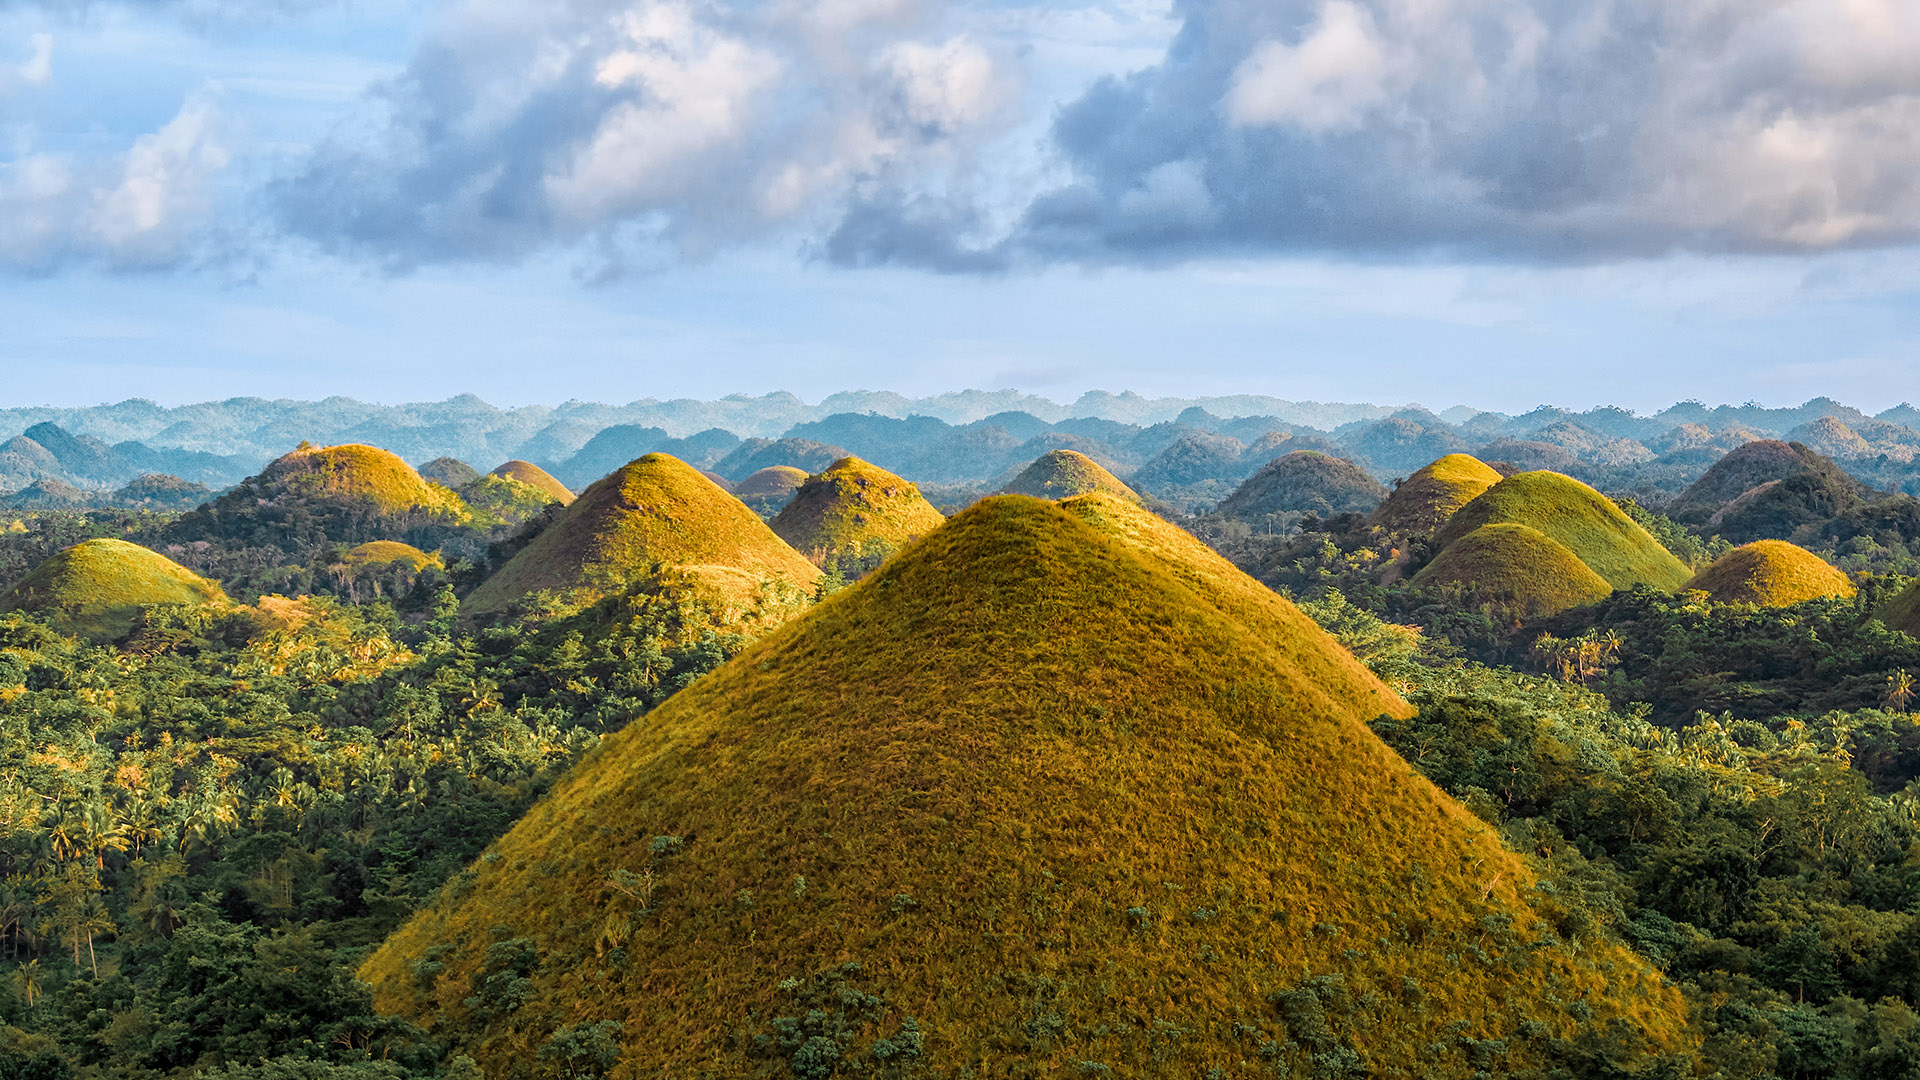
1499, 203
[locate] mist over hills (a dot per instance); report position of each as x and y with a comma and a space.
1186, 450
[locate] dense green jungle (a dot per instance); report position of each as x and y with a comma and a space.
209, 821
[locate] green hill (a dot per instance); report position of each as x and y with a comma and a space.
768, 490
1902, 611
1305, 481
854, 510
1029, 800
449, 472
387, 553
1517, 569
1586, 522
96, 589
1062, 474
1424, 501
656, 510
526, 472
1770, 573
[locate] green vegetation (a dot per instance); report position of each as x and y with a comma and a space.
769, 489
965, 791
97, 589
1516, 571
1062, 474
449, 472
503, 500
1585, 521
853, 515
655, 511
1771, 573
1424, 501
1902, 611
1305, 481
527, 472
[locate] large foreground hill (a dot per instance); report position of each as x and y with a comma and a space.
1048, 794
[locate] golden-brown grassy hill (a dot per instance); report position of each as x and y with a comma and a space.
1517, 570
769, 489
354, 473
1425, 500
95, 589
657, 510
1051, 792
854, 509
1062, 474
1770, 573
1586, 522
526, 472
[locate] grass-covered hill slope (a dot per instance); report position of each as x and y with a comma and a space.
854, 509
1305, 481
352, 473
449, 472
1062, 474
1902, 611
1750, 467
338, 494
656, 510
96, 589
1586, 522
768, 490
526, 472
387, 553
1516, 569
1026, 801
1424, 501
1770, 573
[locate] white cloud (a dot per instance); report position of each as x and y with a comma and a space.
1326, 82
38, 70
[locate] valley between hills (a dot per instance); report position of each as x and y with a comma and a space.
974, 736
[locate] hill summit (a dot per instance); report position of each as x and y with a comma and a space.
1771, 573
1517, 570
768, 490
1425, 500
1062, 474
95, 589
353, 473
657, 510
854, 510
330, 494
1305, 481
526, 472
1041, 796
1579, 518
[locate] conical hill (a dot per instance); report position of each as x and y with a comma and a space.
1586, 522
854, 509
1305, 481
354, 473
655, 510
1771, 573
1023, 802
526, 472
95, 589
340, 494
1425, 500
769, 489
1062, 474
1516, 569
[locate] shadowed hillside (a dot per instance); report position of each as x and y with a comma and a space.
657, 510
1770, 573
1028, 800
96, 589
1305, 481
767, 490
1586, 522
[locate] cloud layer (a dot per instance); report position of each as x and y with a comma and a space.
647, 125
1539, 129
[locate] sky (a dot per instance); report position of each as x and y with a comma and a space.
1498, 203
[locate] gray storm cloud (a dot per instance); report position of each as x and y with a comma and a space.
1532, 129
659, 122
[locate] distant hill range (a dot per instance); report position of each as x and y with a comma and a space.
1189, 453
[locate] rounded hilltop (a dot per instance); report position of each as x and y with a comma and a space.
1577, 517
1424, 501
854, 510
1062, 474
1517, 570
654, 511
1770, 573
352, 472
95, 589
769, 489
387, 553
1305, 481
526, 472
851, 846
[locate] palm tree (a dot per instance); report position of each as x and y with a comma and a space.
28, 980
93, 918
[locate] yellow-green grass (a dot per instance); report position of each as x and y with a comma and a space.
1425, 500
1902, 611
1517, 569
1770, 573
504, 499
1061, 786
95, 589
526, 472
1062, 474
388, 552
854, 508
657, 510
1586, 522
354, 472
